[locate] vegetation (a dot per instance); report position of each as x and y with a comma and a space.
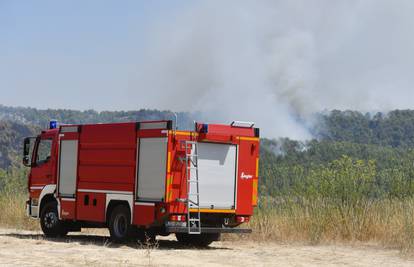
13, 196
395, 129
338, 188
295, 168
342, 201
11, 140
353, 182
387, 222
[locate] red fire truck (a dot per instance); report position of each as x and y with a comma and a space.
143, 179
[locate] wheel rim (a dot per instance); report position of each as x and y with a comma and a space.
120, 225
50, 219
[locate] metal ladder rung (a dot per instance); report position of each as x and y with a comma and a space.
191, 160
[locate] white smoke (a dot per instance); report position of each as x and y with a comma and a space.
273, 62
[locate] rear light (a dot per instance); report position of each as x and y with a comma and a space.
178, 218
242, 219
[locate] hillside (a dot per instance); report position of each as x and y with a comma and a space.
387, 139
41, 117
395, 128
17, 123
11, 139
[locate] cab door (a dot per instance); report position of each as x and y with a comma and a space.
42, 171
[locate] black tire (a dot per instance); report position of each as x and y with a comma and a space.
120, 224
50, 223
201, 240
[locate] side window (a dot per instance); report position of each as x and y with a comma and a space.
44, 151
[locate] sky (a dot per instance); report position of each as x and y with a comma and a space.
74, 54
270, 61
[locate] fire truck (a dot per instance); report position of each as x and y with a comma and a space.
143, 179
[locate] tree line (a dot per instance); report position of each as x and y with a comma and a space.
371, 155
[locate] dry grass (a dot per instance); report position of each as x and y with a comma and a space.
13, 212
387, 222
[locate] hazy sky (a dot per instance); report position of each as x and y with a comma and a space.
74, 54
263, 60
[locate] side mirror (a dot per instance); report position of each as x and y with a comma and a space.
28, 146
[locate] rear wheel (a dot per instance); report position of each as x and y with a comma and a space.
50, 223
120, 224
201, 240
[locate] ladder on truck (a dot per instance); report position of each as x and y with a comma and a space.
193, 190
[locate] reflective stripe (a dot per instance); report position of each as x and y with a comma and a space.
169, 195
186, 133
36, 187
105, 191
168, 192
213, 211
169, 162
144, 204
248, 138
254, 195
68, 199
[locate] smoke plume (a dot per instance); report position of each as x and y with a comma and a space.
277, 62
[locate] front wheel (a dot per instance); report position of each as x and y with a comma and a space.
50, 223
201, 240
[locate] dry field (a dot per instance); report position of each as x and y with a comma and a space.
371, 234
30, 248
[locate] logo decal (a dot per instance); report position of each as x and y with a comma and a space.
246, 176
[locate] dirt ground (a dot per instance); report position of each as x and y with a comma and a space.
26, 248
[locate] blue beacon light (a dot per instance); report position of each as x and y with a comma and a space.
53, 124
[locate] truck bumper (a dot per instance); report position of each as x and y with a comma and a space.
32, 211
173, 229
